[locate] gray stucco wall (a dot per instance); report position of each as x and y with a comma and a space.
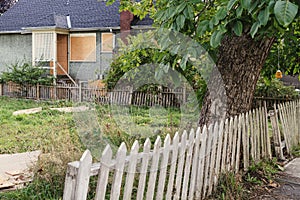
91, 70
14, 48
17, 47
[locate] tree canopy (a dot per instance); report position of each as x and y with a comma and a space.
238, 34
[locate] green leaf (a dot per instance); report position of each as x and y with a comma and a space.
181, 7
159, 72
221, 14
253, 6
188, 12
238, 28
202, 27
175, 78
180, 21
246, 4
271, 6
166, 67
263, 17
285, 12
239, 11
183, 62
254, 29
211, 24
215, 39
231, 4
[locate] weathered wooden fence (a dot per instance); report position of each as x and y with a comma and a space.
269, 101
189, 165
285, 121
125, 96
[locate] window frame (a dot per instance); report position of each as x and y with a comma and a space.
113, 42
94, 51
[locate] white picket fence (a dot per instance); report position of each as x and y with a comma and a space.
185, 167
285, 120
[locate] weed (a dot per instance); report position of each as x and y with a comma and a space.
229, 187
296, 151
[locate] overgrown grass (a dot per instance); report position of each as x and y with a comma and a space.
296, 151
52, 132
60, 135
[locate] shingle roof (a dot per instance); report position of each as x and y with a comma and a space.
47, 13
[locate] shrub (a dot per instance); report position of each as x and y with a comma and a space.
26, 73
274, 88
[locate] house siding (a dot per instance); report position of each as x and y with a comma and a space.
85, 71
14, 48
18, 48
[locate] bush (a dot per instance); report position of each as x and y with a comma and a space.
26, 73
274, 88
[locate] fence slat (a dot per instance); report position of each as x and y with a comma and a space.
194, 164
245, 138
175, 146
182, 151
154, 169
219, 152
239, 139
131, 171
70, 181
215, 133
207, 159
83, 176
229, 148
144, 169
224, 148
202, 154
187, 168
118, 172
163, 168
103, 173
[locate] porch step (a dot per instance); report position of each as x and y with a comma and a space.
64, 79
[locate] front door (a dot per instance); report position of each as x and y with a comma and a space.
62, 53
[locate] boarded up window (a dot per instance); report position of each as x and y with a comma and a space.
83, 47
107, 42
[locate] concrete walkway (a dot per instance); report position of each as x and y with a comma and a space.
289, 181
293, 168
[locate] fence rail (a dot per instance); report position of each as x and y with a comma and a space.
189, 165
124, 96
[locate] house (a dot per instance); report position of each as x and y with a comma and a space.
72, 38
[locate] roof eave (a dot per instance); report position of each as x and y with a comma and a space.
95, 29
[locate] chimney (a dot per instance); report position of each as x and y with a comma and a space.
125, 20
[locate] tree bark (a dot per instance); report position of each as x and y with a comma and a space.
240, 60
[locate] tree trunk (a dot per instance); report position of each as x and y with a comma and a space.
240, 60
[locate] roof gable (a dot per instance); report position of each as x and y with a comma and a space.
47, 13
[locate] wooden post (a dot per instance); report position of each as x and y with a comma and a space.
184, 95
80, 92
70, 181
83, 176
37, 91
1, 86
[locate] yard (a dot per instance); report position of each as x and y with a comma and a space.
56, 134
